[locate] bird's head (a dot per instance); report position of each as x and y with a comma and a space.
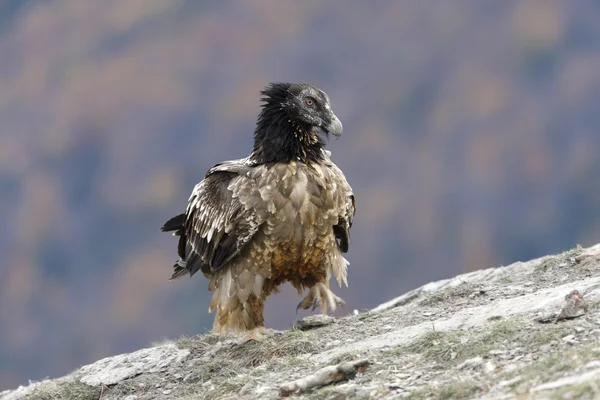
306, 106
292, 116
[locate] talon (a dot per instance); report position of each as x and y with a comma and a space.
320, 296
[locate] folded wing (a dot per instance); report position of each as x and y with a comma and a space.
218, 222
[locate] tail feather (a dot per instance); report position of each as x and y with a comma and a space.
180, 270
189, 262
177, 226
174, 224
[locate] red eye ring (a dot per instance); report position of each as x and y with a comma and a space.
309, 102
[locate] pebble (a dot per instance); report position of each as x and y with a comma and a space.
313, 321
509, 368
546, 348
570, 339
489, 367
166, 392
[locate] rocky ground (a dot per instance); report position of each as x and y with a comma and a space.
527, 330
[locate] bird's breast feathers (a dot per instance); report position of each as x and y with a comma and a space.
299, 203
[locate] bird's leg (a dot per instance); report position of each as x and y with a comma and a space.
319, 295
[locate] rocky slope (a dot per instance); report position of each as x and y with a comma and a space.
530, 329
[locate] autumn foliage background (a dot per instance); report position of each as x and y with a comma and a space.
471, 140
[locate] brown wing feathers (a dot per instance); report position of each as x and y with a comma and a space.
216, 225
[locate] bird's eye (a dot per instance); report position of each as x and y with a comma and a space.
309, 101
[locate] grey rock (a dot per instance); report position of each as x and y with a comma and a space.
313, 321
112, 370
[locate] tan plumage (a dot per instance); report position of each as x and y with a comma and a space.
274, 217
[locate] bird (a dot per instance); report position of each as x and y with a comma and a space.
282, 214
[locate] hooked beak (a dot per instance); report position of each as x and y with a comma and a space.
334, 127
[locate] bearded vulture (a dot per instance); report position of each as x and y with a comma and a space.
283, 214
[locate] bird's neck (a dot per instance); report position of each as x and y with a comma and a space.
276, 139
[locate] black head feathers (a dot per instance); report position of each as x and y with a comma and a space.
290, 121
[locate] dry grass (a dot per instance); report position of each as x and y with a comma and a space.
67, 390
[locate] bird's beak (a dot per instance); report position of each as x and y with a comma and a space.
335, 126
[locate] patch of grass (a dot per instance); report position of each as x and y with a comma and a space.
457, 390
139, 385
222, 371
554, 366
547, 334
66, 390
290, 344
211, 369
435, 345
580, 391
482, 342
324, 393
557, 260
213, 389
344, 357
220, 391
462, 290
549, 263
199, 343
453, 347
506, 279
253, 353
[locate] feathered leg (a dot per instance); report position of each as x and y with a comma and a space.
238, 300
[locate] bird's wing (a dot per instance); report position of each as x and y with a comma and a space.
342, 229
219, 219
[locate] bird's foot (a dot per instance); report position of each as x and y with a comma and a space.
260, 334
319, 295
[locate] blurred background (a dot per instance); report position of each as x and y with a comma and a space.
470, 138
